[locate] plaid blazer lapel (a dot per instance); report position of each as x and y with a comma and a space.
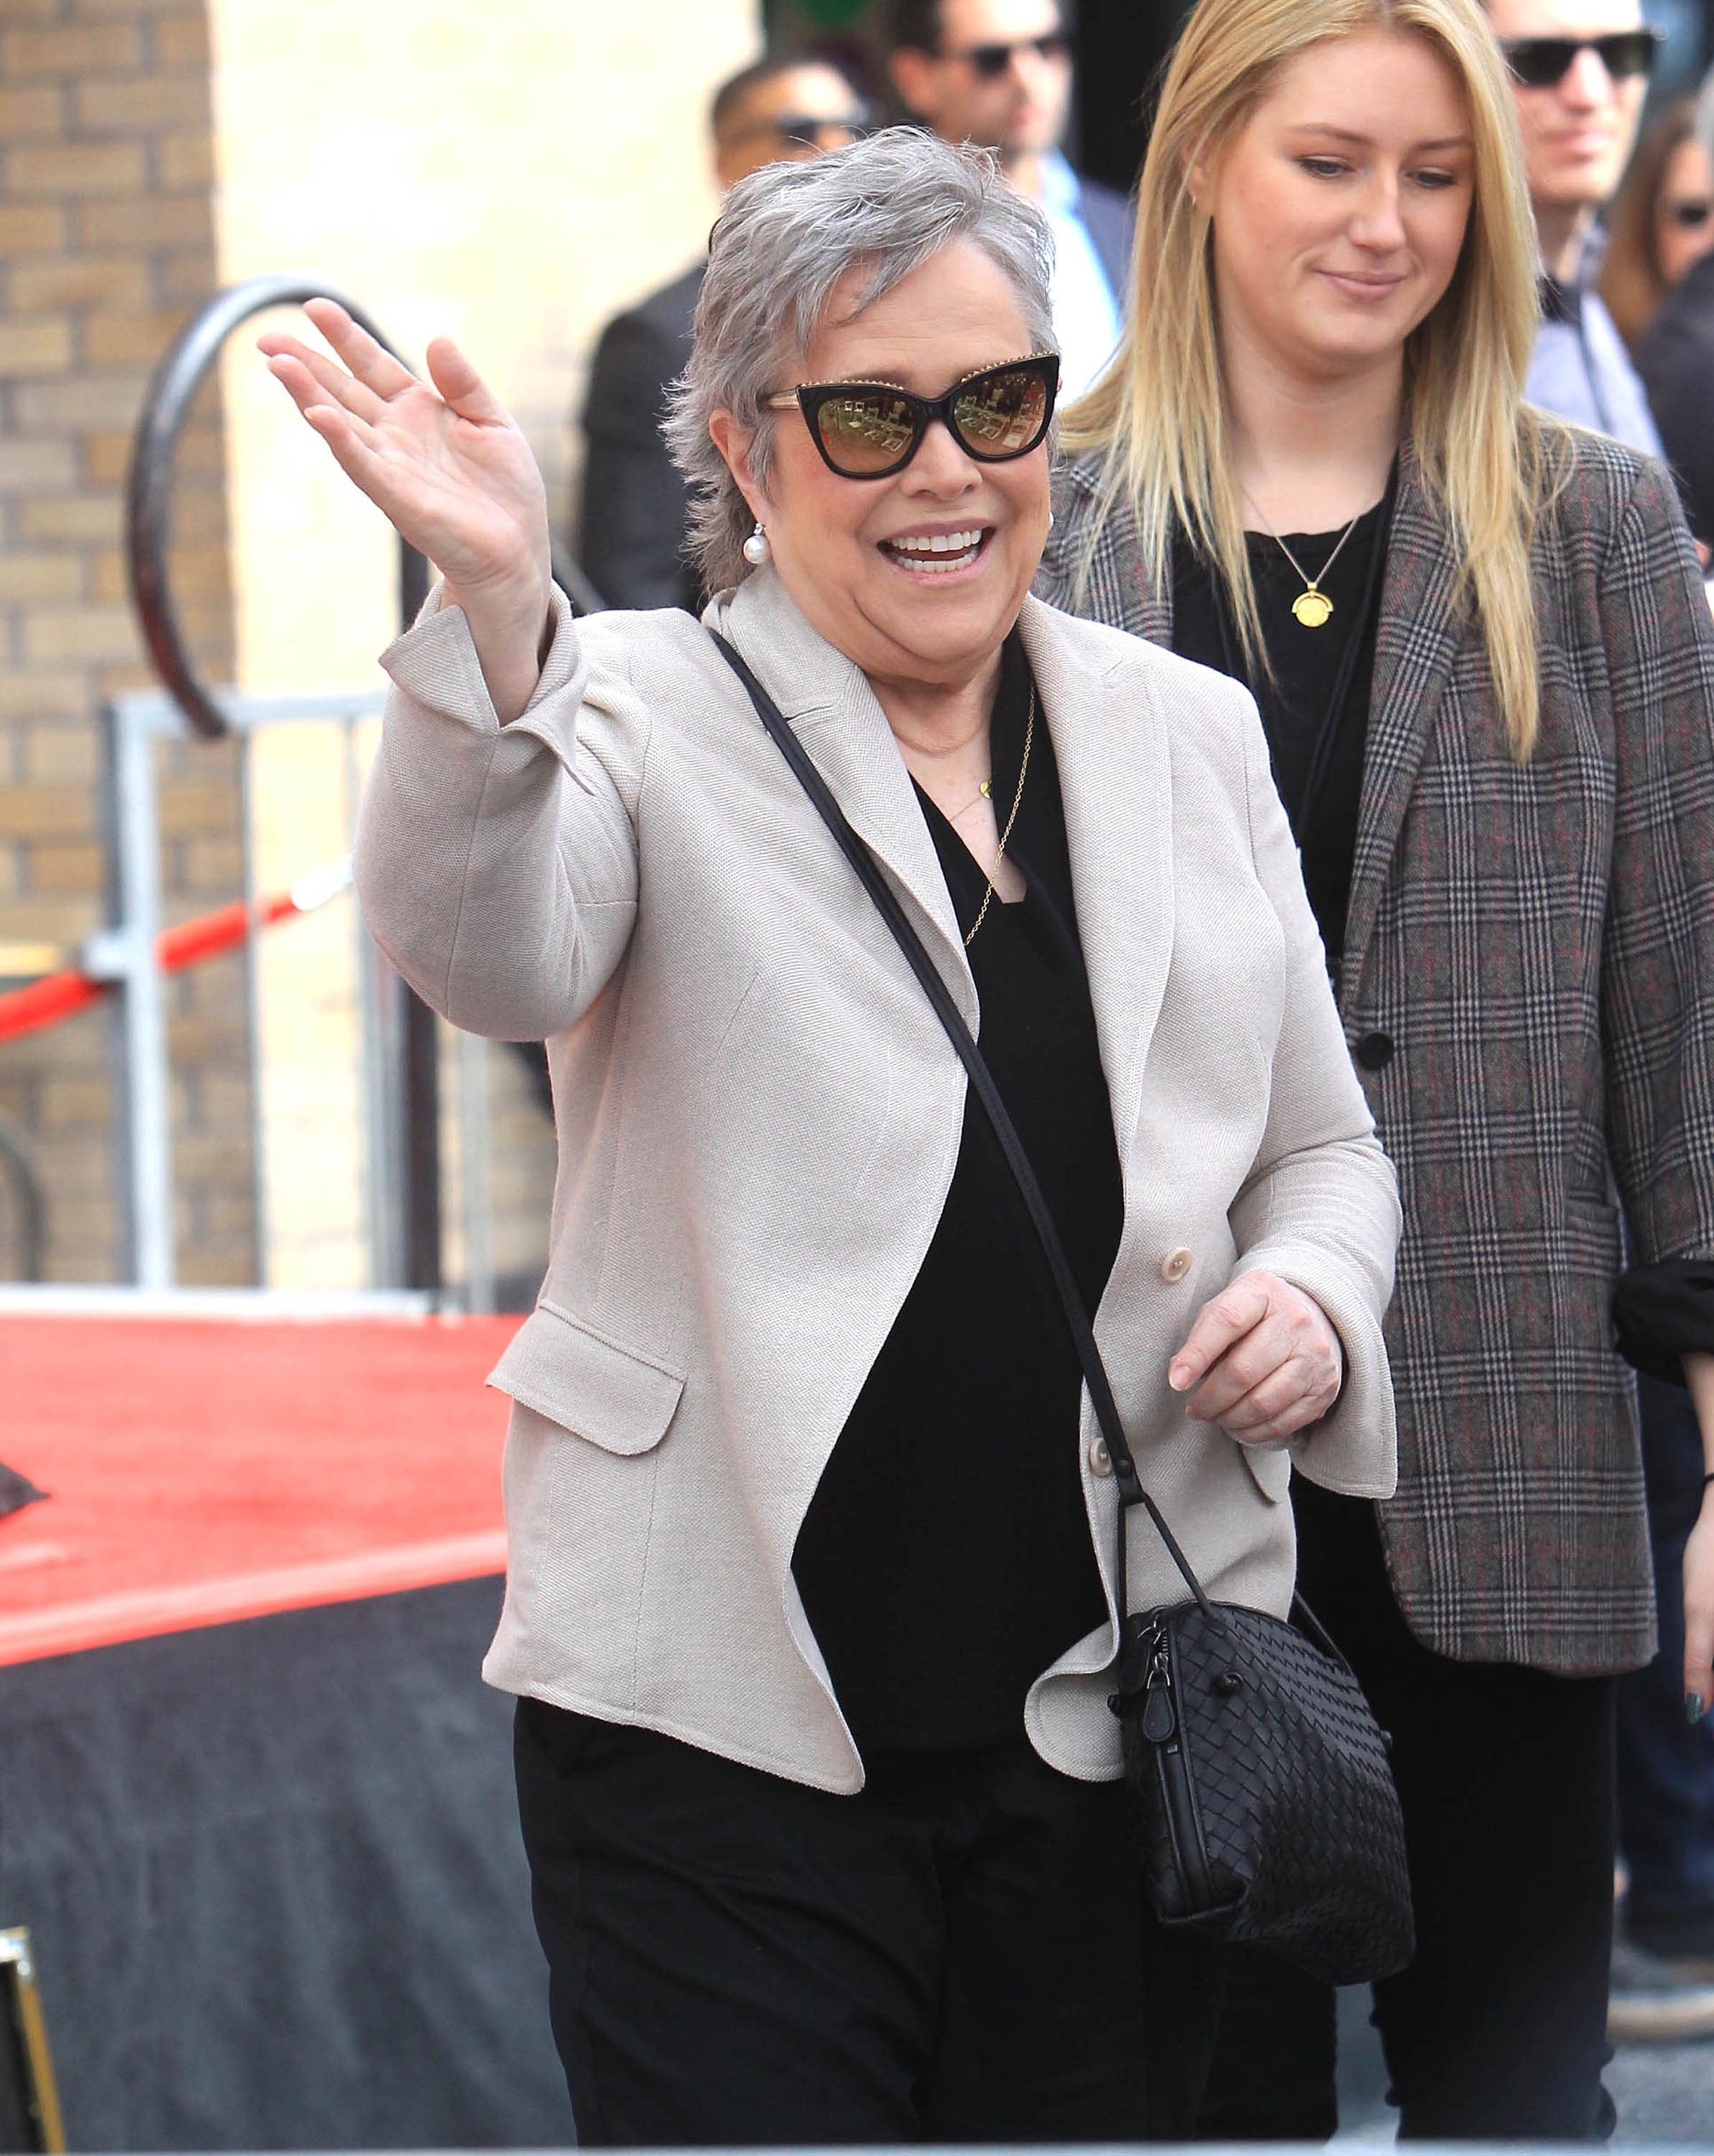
1417, 640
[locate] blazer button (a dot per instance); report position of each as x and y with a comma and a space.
1175, 1265
1374, 1051
1100, 1459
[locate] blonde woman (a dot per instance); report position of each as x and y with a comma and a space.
1487, 672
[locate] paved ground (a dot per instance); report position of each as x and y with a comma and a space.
1664, 2093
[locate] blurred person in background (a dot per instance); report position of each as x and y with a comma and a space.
1676, 355
1579, 75
1662, 222
634, 504
1486, 670
997, 73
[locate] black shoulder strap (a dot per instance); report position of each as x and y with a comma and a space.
1124, 1475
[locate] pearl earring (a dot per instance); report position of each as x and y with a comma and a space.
756, 549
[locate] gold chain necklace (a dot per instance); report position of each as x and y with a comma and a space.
1312, 607
987, 896
985, 791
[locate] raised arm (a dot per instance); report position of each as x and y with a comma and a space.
496, 855
446, 463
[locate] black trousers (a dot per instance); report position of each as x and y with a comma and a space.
1505, 1775
958, 1953
1665, 1764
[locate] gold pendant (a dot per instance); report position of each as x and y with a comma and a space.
1312, 608
986, 789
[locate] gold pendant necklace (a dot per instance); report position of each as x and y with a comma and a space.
987, 896
985, 791
1312, 607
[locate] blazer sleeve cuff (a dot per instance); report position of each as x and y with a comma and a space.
1353, 1448
434, 664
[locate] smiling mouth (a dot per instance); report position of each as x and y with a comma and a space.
1363, 283
938, 554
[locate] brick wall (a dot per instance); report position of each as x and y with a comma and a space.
106, 238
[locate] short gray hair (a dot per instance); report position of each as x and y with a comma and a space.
788, 233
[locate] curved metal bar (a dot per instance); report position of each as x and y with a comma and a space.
576, 586
20, 1158
166, 405
149, 486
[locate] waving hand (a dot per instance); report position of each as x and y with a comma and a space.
446, 463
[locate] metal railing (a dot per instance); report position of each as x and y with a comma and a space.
400, 1082
24, 1173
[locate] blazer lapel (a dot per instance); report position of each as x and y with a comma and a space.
835, 714
1414, 652
1116, 783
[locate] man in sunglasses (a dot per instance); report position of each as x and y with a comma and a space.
997, 73
1580, 73
631, 523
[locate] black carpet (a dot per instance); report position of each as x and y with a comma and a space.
274, 1880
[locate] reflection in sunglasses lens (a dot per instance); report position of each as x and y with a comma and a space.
997, 417
866, 432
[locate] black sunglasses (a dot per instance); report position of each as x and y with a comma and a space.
804, 131
1539, 63
1692, 215
991, 62
872, 430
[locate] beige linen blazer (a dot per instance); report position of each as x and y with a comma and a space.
759, 1114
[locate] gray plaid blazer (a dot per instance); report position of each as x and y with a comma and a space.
1528, 988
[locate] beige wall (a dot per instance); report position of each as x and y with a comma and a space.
509, 173
105, 241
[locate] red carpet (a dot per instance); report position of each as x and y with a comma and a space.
201, 1471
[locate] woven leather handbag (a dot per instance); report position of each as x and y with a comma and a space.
1262, 1802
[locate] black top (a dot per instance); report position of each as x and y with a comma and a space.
947, 1558
1661, 1311
1295, 703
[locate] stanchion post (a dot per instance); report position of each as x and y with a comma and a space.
27, 2089
422, 1071
125, 954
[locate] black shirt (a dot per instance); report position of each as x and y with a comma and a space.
1662, 1311
1306, 665
945, 1559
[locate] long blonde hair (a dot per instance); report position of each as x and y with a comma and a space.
1159, 414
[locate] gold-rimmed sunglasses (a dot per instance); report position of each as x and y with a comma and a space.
872, 430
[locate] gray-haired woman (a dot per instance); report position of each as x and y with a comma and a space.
810, 1596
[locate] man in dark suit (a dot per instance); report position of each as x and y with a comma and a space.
631, 526
998, 73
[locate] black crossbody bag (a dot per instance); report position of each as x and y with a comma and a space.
1262, 1800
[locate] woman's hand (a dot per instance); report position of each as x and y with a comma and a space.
1699, 1613
1262, 1358
447, 465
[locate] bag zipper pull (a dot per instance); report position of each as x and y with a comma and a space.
1159, 1721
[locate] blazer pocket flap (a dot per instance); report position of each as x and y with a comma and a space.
587, 1384
1269, 1467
